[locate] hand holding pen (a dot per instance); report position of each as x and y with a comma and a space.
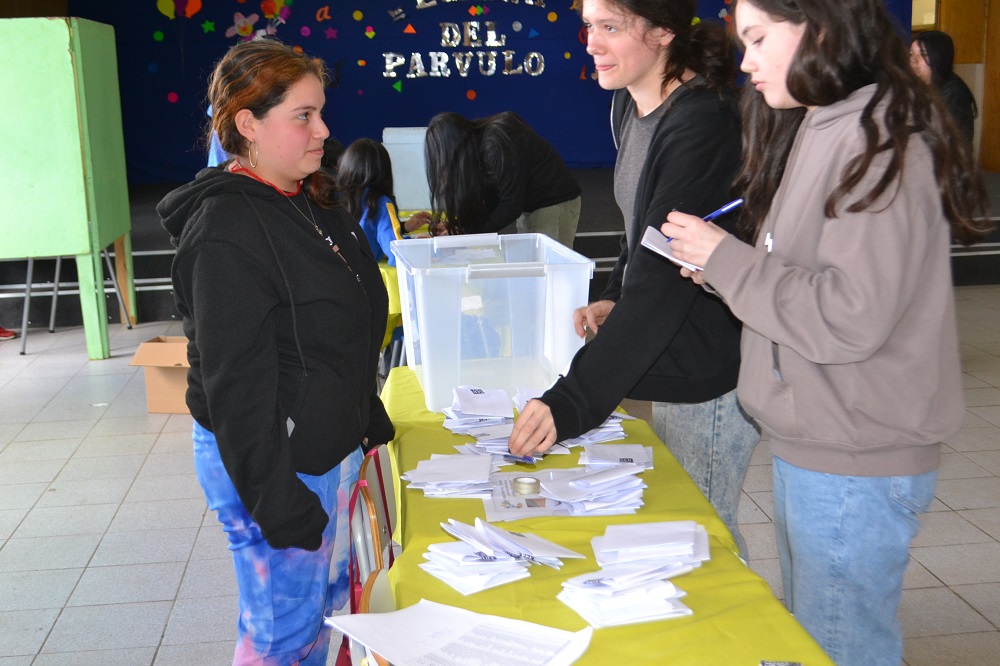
692, 238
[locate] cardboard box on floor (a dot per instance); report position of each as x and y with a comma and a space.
164, 360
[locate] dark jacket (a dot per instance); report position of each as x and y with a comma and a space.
666, 339
961, 104
284, 338
523, 173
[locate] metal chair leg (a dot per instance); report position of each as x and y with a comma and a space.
55, 296
118, 291
27, 304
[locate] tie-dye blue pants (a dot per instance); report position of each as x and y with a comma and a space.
283, 593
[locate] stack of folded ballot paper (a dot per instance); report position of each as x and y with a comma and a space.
486, 556
485, 414
609, 490
452, 476
636, 561
601, 456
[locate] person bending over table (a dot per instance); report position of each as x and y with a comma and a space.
489, 173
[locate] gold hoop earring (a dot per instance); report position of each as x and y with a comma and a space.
253, 146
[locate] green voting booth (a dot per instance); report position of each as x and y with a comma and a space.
62, 156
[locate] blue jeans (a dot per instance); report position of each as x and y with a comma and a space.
713, 441
843, 545
284, 593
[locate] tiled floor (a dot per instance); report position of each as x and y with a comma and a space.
108, 556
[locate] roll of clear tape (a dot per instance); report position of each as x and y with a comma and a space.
526, 485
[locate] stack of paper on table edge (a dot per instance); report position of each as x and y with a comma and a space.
452, 476
636, 561
432, 633
612, 490
487, 556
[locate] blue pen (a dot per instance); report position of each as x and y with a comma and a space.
510, 457
732, 205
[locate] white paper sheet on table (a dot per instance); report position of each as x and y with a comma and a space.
432, 634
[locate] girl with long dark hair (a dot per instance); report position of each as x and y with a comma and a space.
364, 183
932, 57
487, 174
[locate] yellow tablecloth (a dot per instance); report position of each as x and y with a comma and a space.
736, 619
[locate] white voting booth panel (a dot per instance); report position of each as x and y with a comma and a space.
406, 150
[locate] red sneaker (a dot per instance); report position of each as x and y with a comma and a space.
6, 334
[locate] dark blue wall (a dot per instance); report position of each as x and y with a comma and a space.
164, 63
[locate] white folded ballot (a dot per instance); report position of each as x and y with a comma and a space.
487, 556
599, 456
473, 400
636, 561
452, 476
610, 490
683, 541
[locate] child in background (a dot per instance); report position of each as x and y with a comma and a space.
364, 180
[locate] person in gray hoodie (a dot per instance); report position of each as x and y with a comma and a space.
855, 184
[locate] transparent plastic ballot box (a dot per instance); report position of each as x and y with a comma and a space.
489, 310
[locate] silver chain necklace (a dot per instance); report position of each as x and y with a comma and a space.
312, 220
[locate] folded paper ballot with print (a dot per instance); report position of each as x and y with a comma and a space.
617, 577
636, 561
432, 633
660, 244
487, 556
469, 570
494, 540
471, 400
595, 456
498, 433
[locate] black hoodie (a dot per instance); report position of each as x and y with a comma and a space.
666, 339
283, 340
